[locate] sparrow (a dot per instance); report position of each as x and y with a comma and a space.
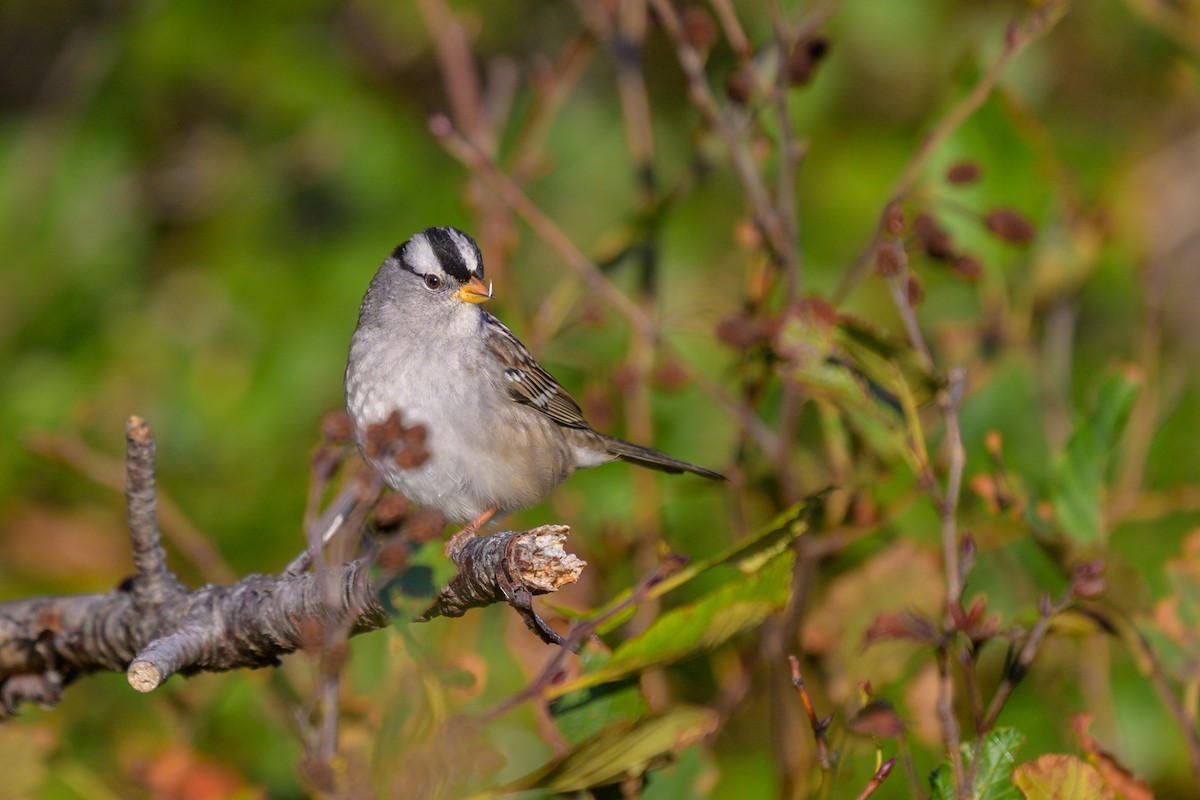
500, 431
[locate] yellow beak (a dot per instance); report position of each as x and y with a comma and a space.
473, 291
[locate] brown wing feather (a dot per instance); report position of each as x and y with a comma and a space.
528, 383
532, 386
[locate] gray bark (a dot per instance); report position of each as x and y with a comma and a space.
152, 626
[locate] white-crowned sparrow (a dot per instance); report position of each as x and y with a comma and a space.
501, 433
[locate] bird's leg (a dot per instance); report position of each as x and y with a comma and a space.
470, 529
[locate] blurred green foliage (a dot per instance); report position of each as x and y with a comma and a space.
194, 195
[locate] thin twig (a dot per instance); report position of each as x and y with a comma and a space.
789, 157
877, 779
733, 28
818, 725
155, 583
1017, 37
945, 712
898, 288
764, 212
947, 505
550, 93
951, 551
1185, 719
576, 636
1020, 665
458, 69
625, 35
597, 282
152, 627
110, 473
583, 267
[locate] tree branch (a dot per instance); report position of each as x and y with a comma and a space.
152, 626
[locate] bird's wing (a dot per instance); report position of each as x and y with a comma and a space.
528, 383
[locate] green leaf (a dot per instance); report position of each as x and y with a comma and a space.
696, 627
1079, 472
680, 780
620, 751
583, 713
408, 594
746, 556
993, 778
877, 383
1060, 777
890, 365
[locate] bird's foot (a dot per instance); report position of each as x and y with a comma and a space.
469, 530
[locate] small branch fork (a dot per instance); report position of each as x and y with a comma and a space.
827, 760
152, 626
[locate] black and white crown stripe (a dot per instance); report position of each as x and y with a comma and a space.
448, 250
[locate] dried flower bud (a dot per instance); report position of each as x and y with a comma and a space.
326, 461
863, 510
597, 405
336, 427
967, 267
816, 312
744, 332
966, 555
393, 556
699, 28
425, 526
893, 219
878, 720
963, 172
889, 258
1087, 580
888, 626
933, 238
404, 444
913, 291
986, 489
746, 235
802, 61
739, 86
391, 510
1010, 225
670, 375
994, 442
626, 376
591, 312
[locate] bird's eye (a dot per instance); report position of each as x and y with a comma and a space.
432, 281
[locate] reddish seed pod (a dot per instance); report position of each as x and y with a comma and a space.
933, 238
391, 510
739, 86
699, 28
967, 267
743, 332
963, 172
336, 427
893, 219
802, 61
424, 526
913, 291
1010, 225
889, 258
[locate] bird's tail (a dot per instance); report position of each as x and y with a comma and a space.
647, 457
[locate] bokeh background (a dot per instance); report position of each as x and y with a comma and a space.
194, 196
